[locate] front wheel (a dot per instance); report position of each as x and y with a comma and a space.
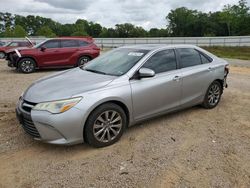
83, 60
26, 65
105, 125
213, 95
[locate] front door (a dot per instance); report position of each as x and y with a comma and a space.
158, 94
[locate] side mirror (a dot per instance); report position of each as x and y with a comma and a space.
146, 73
43, 48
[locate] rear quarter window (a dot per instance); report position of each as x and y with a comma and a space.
205, 58
83, 43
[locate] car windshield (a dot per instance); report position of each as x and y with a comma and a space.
116, 62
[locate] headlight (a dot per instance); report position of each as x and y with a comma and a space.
56, 107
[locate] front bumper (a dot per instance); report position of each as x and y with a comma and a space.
12, 59
63, 129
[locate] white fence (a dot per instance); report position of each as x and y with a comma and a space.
199, 41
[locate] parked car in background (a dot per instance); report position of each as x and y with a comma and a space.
2, 43
53, 53
13, 45
97, 102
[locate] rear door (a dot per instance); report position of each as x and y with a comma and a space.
69, 51
160, 93
197, 74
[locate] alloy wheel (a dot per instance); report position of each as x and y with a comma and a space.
107, 126
27, 66
214, 95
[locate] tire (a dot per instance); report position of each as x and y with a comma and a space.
213, 95
26, 65
99, 129
2, 55
83, 60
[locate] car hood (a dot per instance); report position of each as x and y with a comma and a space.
65, 84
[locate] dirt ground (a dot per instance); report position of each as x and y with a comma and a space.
190, 148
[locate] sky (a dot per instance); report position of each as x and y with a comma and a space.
145, 13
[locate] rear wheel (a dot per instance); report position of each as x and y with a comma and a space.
105, 125
83, 60
2, 55
26, 65
213, 95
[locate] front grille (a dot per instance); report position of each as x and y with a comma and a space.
30, 128
27, 106
25, 118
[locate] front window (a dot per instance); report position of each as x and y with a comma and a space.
116, 62
162, 61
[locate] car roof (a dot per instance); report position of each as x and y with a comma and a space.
158, 46
89, 39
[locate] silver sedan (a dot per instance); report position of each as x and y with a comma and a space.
127, 85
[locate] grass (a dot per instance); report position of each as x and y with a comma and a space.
230, 52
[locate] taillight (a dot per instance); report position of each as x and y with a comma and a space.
96, 47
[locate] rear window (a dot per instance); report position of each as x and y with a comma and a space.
189, 57
69, 43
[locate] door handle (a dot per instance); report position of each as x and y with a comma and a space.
176, 78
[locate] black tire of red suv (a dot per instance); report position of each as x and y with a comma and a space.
26, 65
83, 60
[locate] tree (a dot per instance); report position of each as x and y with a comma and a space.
45, 31
182, 22
8, 32
19, 31
79, 33
236, 18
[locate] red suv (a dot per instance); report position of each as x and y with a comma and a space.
13, 44
52, 53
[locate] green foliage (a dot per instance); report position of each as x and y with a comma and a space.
8, 32
232, 20
19, 31
230, 52
79, 33
182, 22
45, 31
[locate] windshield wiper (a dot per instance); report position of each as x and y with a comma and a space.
95, 71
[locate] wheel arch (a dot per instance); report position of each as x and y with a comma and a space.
19, 59
82, 55
221, 83
117, 102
